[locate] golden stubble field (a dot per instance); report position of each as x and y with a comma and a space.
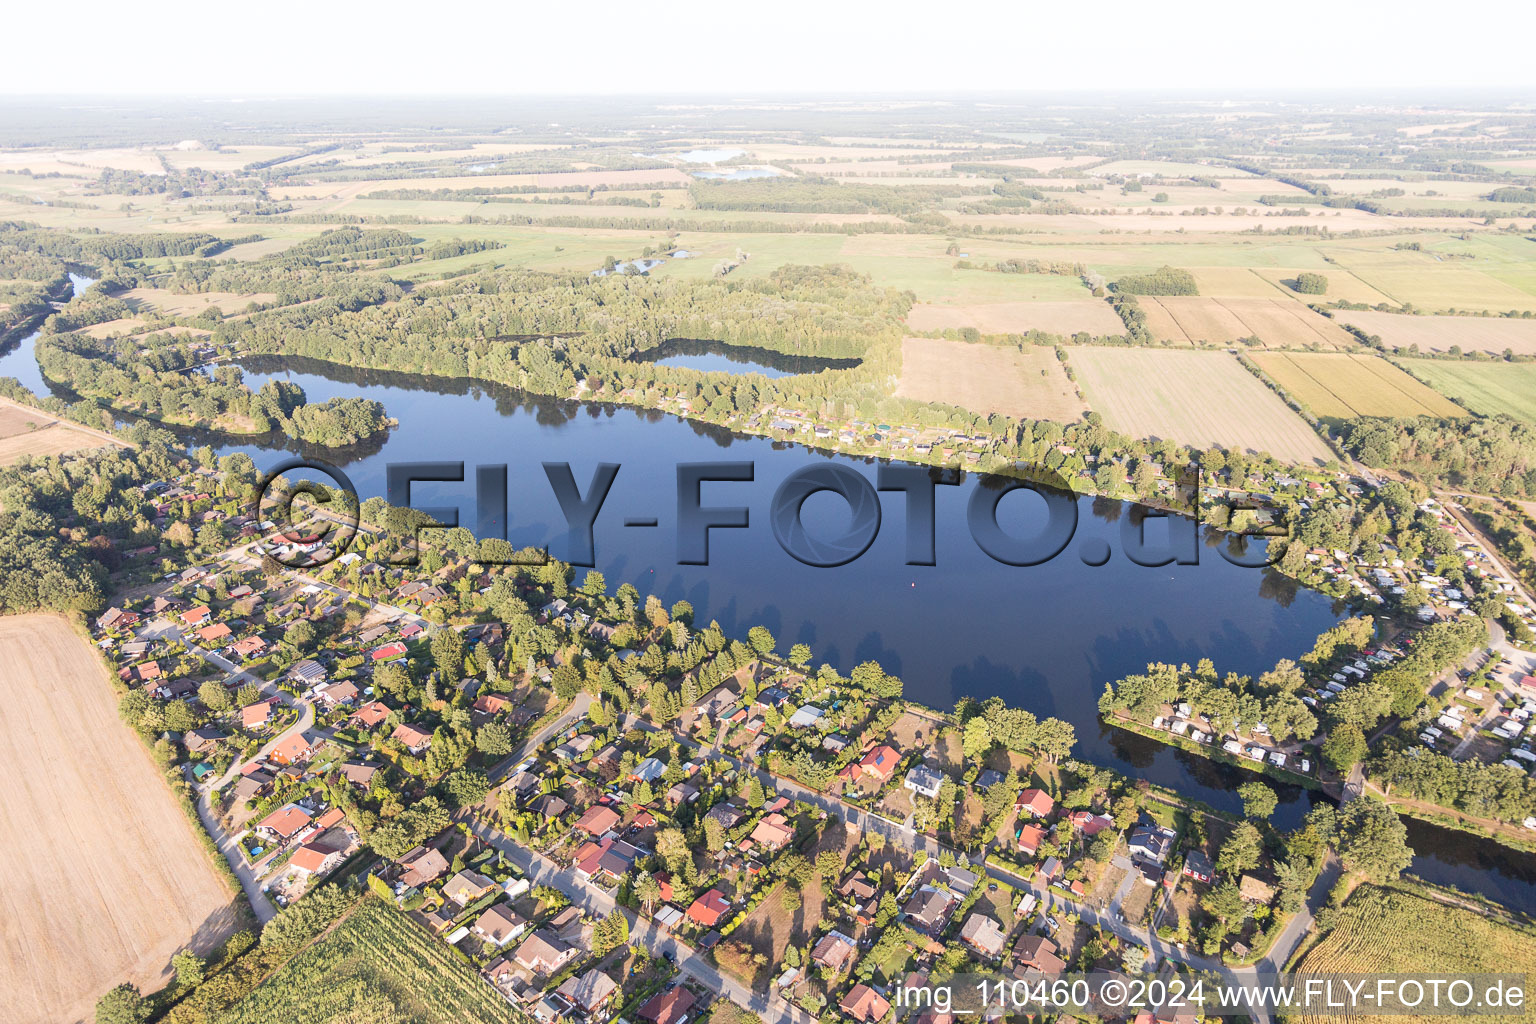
989, 379
104, 879
1066, 318
1438, 333
28, 431
1195, 398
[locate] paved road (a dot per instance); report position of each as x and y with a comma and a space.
568, 718
229, 846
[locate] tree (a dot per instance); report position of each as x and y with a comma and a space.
465, 788
714, 835
648, 890
122, 1005
1259, 801
247, 695
1373, 840
800, 655
300, 635
189, 968
448, 653
1241, 850
755, 795
977, 739
494, 739
1225, 903
610, 933
1344, 748
761, 640
791, 899
215, 696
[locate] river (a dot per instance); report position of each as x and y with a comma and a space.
17, 358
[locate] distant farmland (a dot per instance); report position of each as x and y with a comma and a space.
1484, 387
989, 379
1338, 385
1065, 318
1196, 398
1438, 333
1278, 323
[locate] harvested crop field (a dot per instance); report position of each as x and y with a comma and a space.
1065, 318
1339, 385
27, 431
1395, 931
1277, 322
1489, 388
1439, 333
105, 880
174, 304
989, 379
1195, 398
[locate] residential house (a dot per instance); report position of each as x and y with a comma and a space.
198, 741
371, 714
491, 703
607, 861
250, 647
414, 739
1030, 838
880, 764
338, 693
835, 951
318, 857
500, 924
864, 1004
681, 793
589, 992
1036, 953
359, 773
924, 780
598, 820
254, 716
467, 886
1198, 866
307, 672
422, 866
707, 910
805, 717
1255, 891
1089, 823
211, 636
773, 832
727, 814
669, 1007
285, 822
717, 702
543, 953
295, 749
196, 616
1151, 841
984, 935
1037, 803
928, 910
388, 652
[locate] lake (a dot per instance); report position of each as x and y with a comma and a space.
713, 356
17, 358
739, 174
1045, 638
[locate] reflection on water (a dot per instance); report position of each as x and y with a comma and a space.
717, 357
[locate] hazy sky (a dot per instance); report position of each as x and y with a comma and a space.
758, 46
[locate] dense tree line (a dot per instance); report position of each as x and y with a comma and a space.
1474, 787
1494, 455
1162, 281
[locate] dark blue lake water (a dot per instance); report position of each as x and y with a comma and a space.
1046, 638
